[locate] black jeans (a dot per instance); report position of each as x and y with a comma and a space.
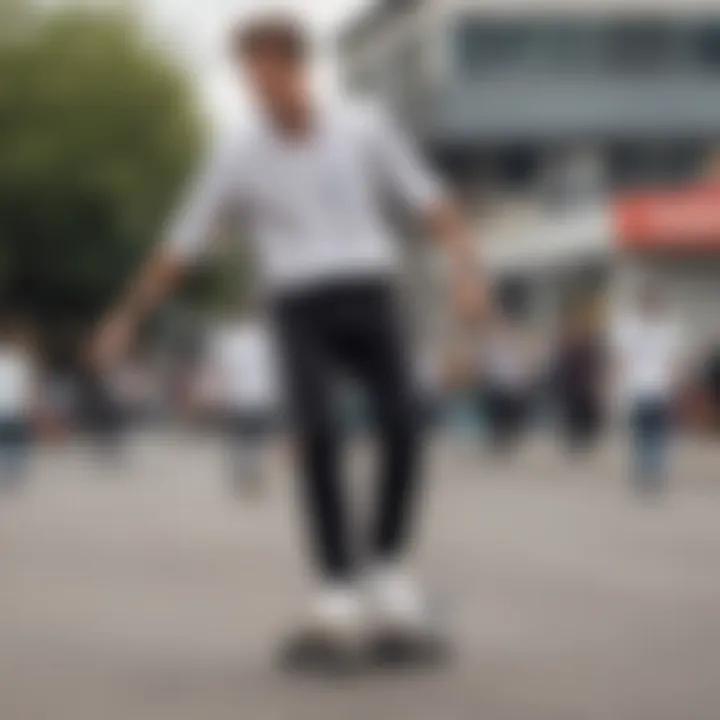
352, 330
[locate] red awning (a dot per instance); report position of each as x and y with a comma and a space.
671, 219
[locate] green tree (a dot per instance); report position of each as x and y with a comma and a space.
98, 132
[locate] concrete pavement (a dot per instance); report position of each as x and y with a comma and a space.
149, 593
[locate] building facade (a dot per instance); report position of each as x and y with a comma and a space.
556, 120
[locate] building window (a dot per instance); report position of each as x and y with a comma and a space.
640, 46
518, 169
489, 46
572, 47
576, 46
664, 164
706, 45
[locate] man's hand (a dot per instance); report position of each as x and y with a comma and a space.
154, 283
469, 291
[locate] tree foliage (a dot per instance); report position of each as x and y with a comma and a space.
98, 131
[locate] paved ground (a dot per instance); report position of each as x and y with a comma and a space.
149, 594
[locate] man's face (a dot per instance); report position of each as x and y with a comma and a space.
279, 81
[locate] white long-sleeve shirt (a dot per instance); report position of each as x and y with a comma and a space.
313, 206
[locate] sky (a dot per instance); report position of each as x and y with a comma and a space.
197, 31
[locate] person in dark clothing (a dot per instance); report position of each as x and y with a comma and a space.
579, 374
102, 416
504, 384
712, 385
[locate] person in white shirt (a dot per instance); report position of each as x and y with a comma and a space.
312, 183
242, 370
18, 394
505, 383
648, 345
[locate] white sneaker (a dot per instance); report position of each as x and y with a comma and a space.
338, 610
395, 601
406, 632
330, 637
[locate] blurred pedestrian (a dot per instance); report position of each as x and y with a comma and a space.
18, 402
712, 385
101, 410
504, 384
313, 181
579, 380
243, 374
648, 343
432, 385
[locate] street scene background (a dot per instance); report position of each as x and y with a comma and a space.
151, 558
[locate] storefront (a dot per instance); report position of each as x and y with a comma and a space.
672, 240
554, 264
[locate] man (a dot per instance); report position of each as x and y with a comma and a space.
649, 345
311, 181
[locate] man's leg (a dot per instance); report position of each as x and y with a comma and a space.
398, 417
405, 630
308, 370
373, 350
328, 640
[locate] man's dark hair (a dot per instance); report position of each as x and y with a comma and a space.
279, 33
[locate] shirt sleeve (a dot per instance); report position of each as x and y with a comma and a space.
400, 168
208, 203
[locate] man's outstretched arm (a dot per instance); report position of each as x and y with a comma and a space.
191, 231
407, 177
470, 291
155, 282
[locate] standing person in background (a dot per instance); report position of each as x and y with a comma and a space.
102, 412
313, 182
579, 375
505, 384
648, 343
18, 400
711, 384
243, 374
432, 385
